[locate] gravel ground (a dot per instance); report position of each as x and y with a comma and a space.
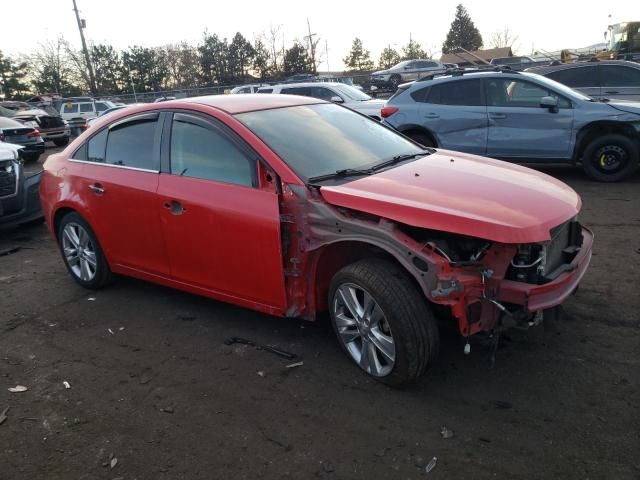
155, 394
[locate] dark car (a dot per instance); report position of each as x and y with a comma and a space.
12, 131
613, 79
45, 118
19, 200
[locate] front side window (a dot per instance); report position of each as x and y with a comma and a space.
576, 77
70, 108
94, 149
322, 138
133, 144
506, 92
201, 152
457, 92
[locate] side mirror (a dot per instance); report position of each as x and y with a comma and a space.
549, 102
337, 99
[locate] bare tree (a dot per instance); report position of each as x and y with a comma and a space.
503, 38
273, 38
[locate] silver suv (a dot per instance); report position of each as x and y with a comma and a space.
519, 117
405, 72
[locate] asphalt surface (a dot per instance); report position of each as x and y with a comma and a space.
156, 394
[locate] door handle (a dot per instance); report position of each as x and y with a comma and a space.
96, 188
497, 115
175, 207
432, 115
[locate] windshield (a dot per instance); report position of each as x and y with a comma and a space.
319, 139
559, 87
352, 92
5, 112
624, 36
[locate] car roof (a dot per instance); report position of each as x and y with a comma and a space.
304, 84
6, 122
565, 66
467, 74
247, 103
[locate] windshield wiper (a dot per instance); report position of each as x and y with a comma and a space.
401, 158
345, 172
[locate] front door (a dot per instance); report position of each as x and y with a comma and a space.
120, 178
221, 227
519, 128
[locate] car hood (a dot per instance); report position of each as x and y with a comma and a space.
380, 72
627, 107
463, 194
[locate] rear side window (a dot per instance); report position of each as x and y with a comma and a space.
420, 95
304, 91
133, 144
459, 92
576, 77
398, 92
201, 152
266, 90
86, 107
619, 76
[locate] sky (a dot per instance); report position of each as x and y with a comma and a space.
543, 24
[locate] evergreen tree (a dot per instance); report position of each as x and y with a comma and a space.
358, 59
413, 50
12, 75
463, 33
388, 58
296, 60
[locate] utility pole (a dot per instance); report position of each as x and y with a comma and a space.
312, 47
326, 51
92, 79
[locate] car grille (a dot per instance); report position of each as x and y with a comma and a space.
8, 178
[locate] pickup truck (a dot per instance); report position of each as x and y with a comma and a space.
19, 200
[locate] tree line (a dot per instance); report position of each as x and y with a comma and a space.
57, 67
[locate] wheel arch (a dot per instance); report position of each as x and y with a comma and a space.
332, 257
407, 129
589, 132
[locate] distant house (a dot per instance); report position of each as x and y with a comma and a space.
466, 60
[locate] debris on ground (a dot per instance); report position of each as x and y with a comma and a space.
382, 452
294, 365
113, 461
145, 379
446, 433
328, 467
167, 409
9, 251
121, 328
18, 389
3, 415
110, 331
431, 465
261, 374
66, 384
266, 348
92, 299
502, 404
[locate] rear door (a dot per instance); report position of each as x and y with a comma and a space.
118, 184
519, 128
456, 113
620, 82
222, 227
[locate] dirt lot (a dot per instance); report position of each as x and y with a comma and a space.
154, 387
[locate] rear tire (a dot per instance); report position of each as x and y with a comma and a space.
82, 254
61, 142
421, 138
610, 158
394, 337
30, 157
395, 80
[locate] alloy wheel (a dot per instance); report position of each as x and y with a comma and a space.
363, 329
79, 251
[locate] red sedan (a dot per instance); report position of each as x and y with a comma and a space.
294, 206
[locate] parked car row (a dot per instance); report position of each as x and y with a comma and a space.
19, 199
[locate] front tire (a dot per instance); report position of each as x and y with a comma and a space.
81, 252
395, 80
30, 157
610, 158
61, 142
382, 321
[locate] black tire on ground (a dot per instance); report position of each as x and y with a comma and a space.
610, 158
410, 320
103, 275
61, 142
422, 138
395, 80
30, 157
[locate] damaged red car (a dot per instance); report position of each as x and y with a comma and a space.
294, 206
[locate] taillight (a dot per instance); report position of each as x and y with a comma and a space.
33, 134
1, 138
388, 111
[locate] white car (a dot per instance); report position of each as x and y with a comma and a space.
83, 107
334, 92
251, 88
